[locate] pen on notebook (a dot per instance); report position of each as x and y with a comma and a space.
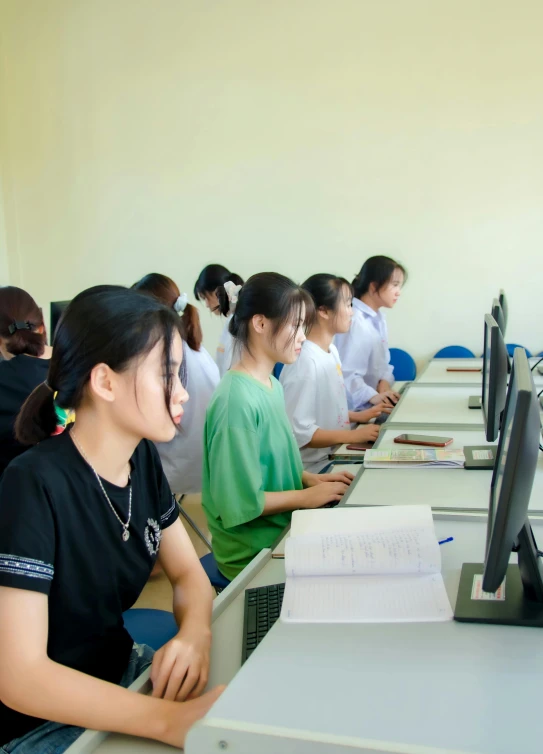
444, 541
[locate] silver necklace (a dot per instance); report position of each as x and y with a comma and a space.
126, 533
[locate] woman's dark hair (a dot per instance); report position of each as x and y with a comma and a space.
20, 318
212, 277
326, 291
106, 324
166, 291
376, 270
274, 296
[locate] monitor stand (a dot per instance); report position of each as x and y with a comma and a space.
508, 607
480, 457
475, 401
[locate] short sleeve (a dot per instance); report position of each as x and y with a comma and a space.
27, 531
168, 509
235, 483
300, 391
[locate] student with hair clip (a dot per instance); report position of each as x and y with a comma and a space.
364, 350
253, 473
26, 355
84, 516
210, 279
182, 457
315, 394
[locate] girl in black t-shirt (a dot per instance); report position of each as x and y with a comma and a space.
24, 363
84, 515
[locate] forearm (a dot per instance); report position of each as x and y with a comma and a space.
383, 386
281, 502
324, 438
193, 601
48, 690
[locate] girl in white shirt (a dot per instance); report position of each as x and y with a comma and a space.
364, 349
182, 457
314, 389
212, 277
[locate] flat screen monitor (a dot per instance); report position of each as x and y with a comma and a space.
57, 309
495, 368
497, 313
505, 308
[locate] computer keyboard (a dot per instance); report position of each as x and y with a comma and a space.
262, 609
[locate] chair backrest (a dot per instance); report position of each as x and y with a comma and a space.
454, 352
405, 369
511, 348
278, 368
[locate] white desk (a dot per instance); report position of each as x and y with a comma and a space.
417, 689
451, 489
437, 405
435, 372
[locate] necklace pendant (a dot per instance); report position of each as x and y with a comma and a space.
126, 535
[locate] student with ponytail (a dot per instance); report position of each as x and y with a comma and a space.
314, 389
253, 472
210, 279
182, 457
364, 350
26, 355
84, 516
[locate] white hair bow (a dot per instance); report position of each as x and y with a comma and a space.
232, 291
181, 303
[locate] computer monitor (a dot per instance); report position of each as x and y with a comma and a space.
57, 310
497, 313
495, 368
505, 308
517, 589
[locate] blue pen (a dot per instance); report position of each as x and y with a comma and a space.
444, 541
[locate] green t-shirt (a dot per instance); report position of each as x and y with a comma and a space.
249, 449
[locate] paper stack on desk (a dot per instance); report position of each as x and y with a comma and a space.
414, 458
364, 565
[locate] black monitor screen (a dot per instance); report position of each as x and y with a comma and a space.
497, 313
505, 308
57, 310
495, 367
514, 471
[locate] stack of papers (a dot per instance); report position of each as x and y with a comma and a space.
414, 458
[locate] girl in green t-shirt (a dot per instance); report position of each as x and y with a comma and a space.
253, 476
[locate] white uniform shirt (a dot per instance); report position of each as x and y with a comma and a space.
182, 458
315, 399
227, 351
364, 355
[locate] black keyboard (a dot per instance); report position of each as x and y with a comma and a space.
262, 609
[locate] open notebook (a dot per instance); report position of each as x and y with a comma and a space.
414, 458
364, 565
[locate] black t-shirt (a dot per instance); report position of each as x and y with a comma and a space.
18, 378
59, 536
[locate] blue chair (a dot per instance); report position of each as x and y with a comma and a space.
278, 368
454, 352
209, 564
405, 369
511, 347
151, 627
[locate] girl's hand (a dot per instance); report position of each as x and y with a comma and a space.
341, 476
366, 433
322, 494
180, 668
389, 398
363, 417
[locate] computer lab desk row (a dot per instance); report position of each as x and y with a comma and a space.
435, 372
419, 688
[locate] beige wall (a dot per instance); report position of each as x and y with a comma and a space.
295, 135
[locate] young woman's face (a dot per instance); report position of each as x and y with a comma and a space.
212, 302
288, 342
142, 404
344, 311
390, 293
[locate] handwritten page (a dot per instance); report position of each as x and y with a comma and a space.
360, 599
393, 551
349, 519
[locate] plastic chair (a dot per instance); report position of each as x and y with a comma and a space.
405, 369
454, 352
511, 348
151, 627
278, 368
209, 564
